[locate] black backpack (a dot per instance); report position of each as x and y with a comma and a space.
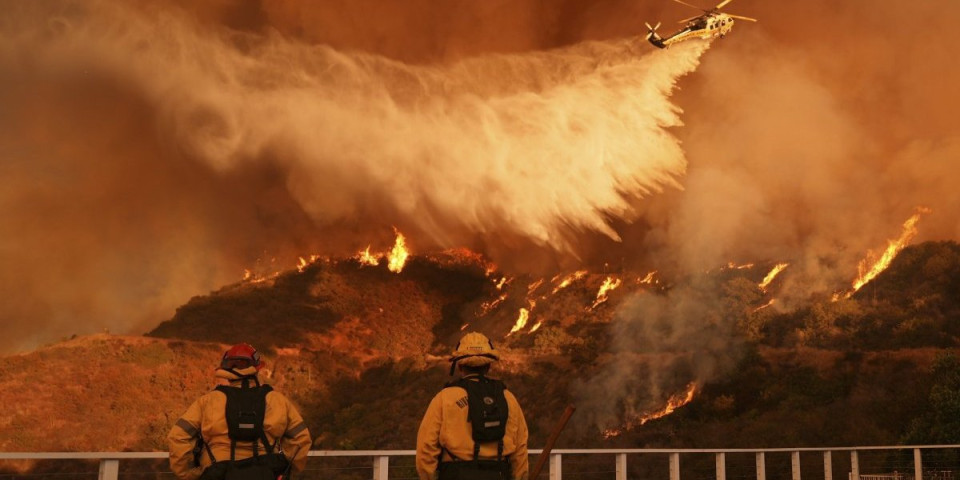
487, 412
245, 410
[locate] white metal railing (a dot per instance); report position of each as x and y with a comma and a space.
110, 461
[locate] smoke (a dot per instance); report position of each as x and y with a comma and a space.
660, 345
150, 156
812, 136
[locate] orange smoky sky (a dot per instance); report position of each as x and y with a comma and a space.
150, 152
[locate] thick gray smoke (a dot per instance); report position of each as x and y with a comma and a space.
812, 136
148, 155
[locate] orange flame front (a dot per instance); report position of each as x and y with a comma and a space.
608, 285
649, 279
568, 280
673, 403
366, 258
521, 321
893, 248
772, 275
397, 257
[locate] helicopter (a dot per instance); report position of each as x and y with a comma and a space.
711, 24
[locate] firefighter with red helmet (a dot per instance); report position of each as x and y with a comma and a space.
474, 427
241, 426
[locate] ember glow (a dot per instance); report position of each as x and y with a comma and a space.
772, 275
868, 270
673, 403
488, 306
765, 305
534, 286
649, 279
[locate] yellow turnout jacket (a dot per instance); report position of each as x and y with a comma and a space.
447, 424
207, 417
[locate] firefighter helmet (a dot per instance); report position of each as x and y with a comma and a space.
240, 356
474, 350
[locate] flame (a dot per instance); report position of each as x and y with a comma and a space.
521, 321
247, 274
893, 248
568, 280
535, 327
501, 283
734, 266
673, 403
649, 279
534, 286
304, 263
485, 307
397, 257
608, 285
773, 274
761, 307
365, 258
464, 327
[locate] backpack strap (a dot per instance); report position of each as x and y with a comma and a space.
262, 391
206, 447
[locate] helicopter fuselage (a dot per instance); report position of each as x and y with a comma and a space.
706, 26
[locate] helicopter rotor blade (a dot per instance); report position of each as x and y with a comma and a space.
722, 4
691, 6
688, 19
742, 18
651, 31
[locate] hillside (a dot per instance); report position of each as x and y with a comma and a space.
361, 350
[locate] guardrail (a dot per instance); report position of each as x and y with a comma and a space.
110, 461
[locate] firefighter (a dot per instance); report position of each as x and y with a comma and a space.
205, 436
474, 427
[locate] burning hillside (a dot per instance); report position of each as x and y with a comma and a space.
339, 333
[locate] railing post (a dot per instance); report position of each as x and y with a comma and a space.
674, 466
621, 466
721, 466
917, 464
555, 470
795, 465
854, 466
828, 465
761, 467
381, 467
109, 469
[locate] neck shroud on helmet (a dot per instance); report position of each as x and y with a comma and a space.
473, 350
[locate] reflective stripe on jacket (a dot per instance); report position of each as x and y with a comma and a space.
447, 424
207, 416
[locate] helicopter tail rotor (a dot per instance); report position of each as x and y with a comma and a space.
652, 31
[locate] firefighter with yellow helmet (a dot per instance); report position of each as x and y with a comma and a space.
474, 427
241, 428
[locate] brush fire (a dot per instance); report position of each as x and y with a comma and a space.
872, 266
673, 403
562, 193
